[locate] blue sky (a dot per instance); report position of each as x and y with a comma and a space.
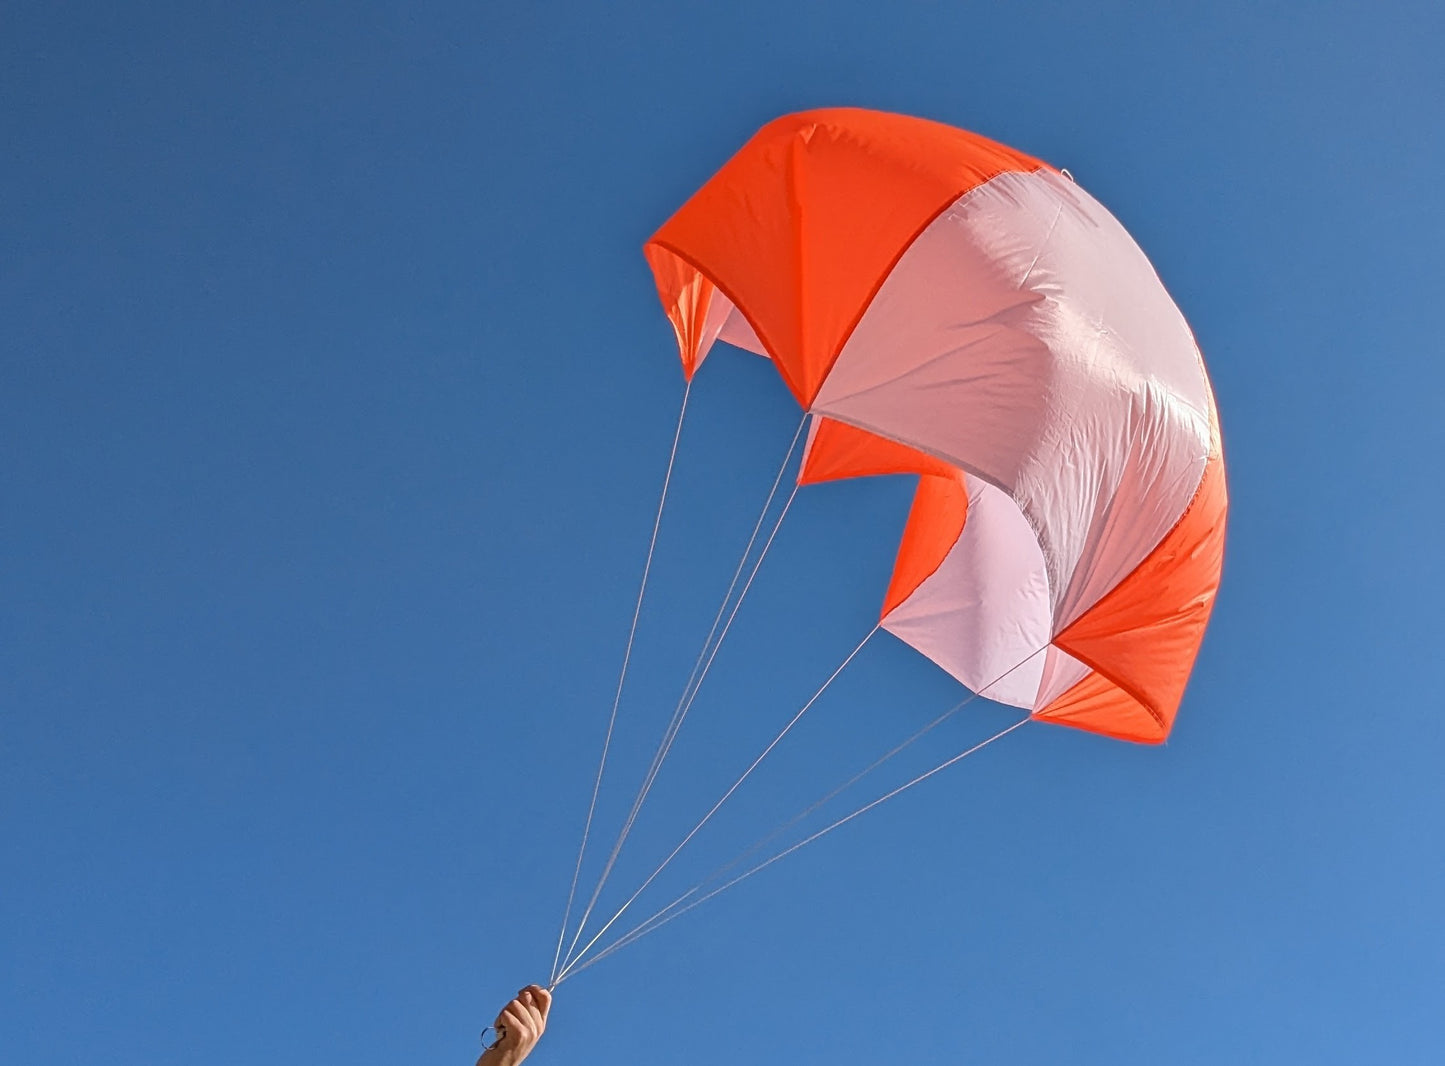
335, 401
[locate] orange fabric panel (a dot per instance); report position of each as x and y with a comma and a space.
935, 522
838, 450
801, 227
686, 297
1144, 635
1097, 705
940, 503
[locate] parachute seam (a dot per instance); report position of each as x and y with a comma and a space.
967, 505
897, 258
1060, 639
847, 335
757, 331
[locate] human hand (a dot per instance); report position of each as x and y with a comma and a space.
519, 1027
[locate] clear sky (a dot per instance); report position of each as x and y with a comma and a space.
334, 401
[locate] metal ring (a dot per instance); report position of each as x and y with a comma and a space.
501, 1032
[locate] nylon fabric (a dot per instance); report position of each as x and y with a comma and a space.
800, 227
972, 315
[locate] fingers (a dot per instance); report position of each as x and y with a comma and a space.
519, 1024
532, 1004
543, 998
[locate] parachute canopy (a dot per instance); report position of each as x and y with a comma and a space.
946, 306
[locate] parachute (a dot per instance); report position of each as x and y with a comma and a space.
942, 305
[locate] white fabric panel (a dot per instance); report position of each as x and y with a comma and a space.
1025, 338
726, 323
738, 332
1061, 673
718, 312
986, 608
